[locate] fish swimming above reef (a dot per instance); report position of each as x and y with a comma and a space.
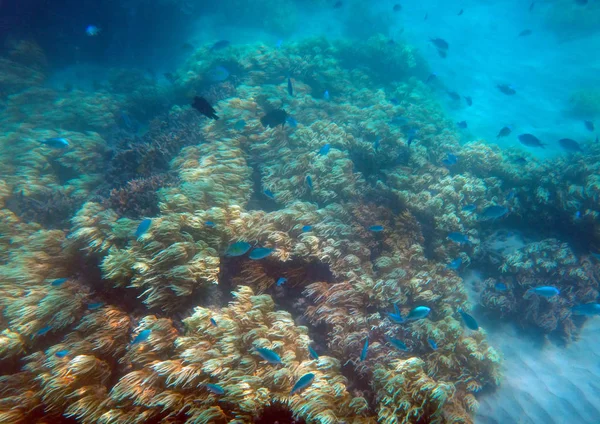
453, 95
95, 305
290, 87
570, 145
325, 149
545, 291
530, 140
365, 349
307, 228
202, 106
220, 45
506, 89
451, 159
210, 224
309, 182
142, 336
260, 253
56, 143
398, 344
280, 281
238, 248
143, 228
313, 353
525, 33
469, 100
432, 344
376, 228
397, 7
58, 282
239, 125
213, 322
459, 238
43, 330
587, 309
500, 287
268, 355
274, 118
462, 124
504, 131
291, 121
302, 383
269, 194
440, 43
214, 388
419, 312
468, 320
92, 30
493, 212
61, 353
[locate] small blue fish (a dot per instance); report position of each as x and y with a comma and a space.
459, 238
430, 78
291, 121
377, 143
92, 30
142, 336
260, 253
451, 159
56, 143
313, 353
238, 248
363, 354
61, 353
394, 101
279, 43
325, 149
455, 264
280, 281
143, 227
577, 215
326, 95
268, 355
493, 212
307, 228
309, 182
269, 194
43, 330
510, 195
213, 322
500, 287
290, 87
588, 309
545, 291
432, 344
376, 228
398, 344
218, 74
469, 208
239, 125
419, 312
94, 306
210, 224
302, 383
58, 282
214, 388
396, 318
411, 135
468, 320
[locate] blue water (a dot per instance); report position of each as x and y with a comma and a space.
351, 180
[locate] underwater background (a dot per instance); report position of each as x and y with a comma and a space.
309, 211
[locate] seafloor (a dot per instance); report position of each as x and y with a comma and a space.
370, 201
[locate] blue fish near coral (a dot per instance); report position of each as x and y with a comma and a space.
326, 95
58, 282
95, 305
142, 336
290, 87
588, 309
210, 224
398, 344
451, 159
302, 383
459, 238
376, 228
291, 121
215, 389
309, 182
269, 194
239, 125
455, 264
238, 248
313, 353
43, 330
419, 312
307, 228
281, 281
56, 143
469, 321
213, 322
260, 253
325, 149
143, 228
432, 344
365, 349
500, 287
545, 291
61, 353
494, 212
268, 355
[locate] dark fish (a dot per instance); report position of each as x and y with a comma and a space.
504, 132
506, 89
569, 145
525, 33
398, 344
461, 12
430, 78
365, 349
187, 46
412, 134
274, 118
268, 355
454, 95
581, 2
213, 322
142, 336
309, 182
313, 353
58, 282
510, 195
520, 161
462, 124
61, 353
589, 125
440, 43
531, 6
469, 100
143, 227
468, 320
238, 248
394, 101
269, 194
459, 238
530, 140
202, 106
56, 143
220, 45
215, 389
338, 4
493, 212
260, 253
397, 8
302, 383
376, 228
94, 306
290, 88
443, 54
432, 344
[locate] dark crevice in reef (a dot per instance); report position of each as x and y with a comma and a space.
258, 200
63, 173
277, 413
50, 209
